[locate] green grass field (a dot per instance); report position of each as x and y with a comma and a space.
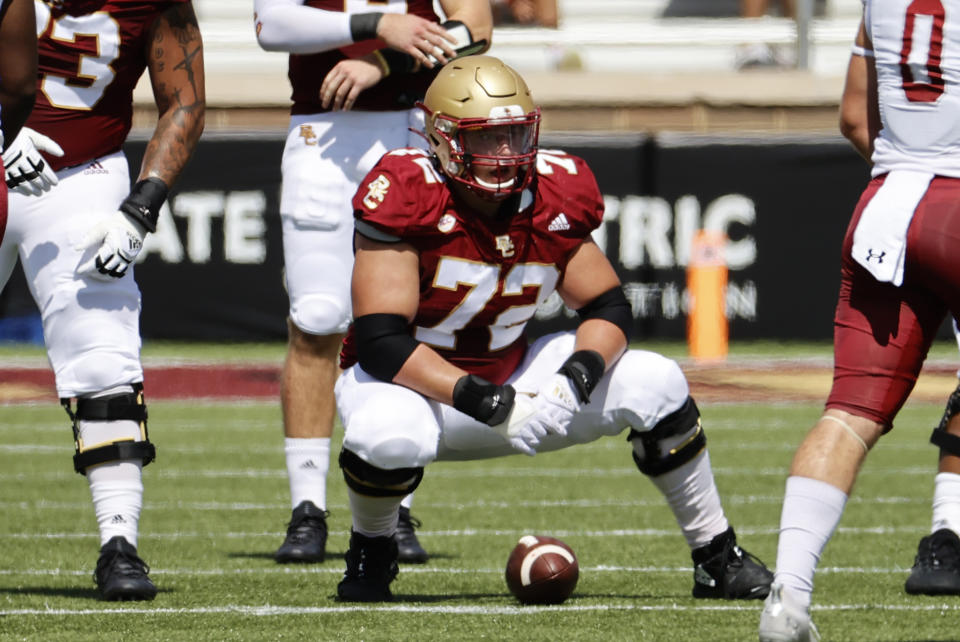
217, 501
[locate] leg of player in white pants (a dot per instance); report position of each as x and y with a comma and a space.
325, 157
91, 332
393, 432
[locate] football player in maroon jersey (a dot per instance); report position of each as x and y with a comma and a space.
455, 249
77, 226
18, 74
356, 69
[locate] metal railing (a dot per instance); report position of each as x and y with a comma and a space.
804, 18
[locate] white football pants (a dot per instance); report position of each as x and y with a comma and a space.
91, 328
390, 426
325, 158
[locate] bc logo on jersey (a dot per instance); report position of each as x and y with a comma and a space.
505, 245
376, 192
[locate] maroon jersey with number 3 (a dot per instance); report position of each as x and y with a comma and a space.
88, 67
395, 92
480, 279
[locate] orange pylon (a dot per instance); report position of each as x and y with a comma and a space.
707, 329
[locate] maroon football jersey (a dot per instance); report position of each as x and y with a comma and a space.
88, 67
395, 92
480, 279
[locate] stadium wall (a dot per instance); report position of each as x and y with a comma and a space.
214, 269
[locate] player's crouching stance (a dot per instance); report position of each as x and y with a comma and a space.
455, 250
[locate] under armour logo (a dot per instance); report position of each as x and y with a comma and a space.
878, 256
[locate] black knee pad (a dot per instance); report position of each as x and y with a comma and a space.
947, 442
124, 405
656, 460
369, 480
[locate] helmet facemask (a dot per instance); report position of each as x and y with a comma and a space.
493, 155
483, 126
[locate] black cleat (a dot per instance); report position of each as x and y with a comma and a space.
306, 539
724, 570
408, 546
936, 569
371, 566
120, 574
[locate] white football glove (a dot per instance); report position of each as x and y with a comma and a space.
120, 240
517, 429
556, 402
27, 171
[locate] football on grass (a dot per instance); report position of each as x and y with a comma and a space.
542, 570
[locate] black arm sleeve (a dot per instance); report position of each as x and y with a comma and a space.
610, 306
383, 344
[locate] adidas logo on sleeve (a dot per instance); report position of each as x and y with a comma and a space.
559, 223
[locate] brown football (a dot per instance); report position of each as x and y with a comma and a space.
542, 570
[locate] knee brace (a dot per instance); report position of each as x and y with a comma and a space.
125, 405
947, 442
657, 458
369, 480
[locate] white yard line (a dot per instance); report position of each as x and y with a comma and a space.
271, 610
413, 570
472, 532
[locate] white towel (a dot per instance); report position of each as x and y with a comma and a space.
880, 240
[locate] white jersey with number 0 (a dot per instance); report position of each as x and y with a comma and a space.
917, 48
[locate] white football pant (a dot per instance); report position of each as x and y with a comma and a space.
390, 426
91, 328
325, 158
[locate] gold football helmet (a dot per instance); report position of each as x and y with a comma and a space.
483, 125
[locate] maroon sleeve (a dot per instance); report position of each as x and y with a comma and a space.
569, 196
586, 193
401, 196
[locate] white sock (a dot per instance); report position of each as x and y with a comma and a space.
117, 493
373, 516
407, 502
811, 512
308, 461
692, 495
946, 502
116, 487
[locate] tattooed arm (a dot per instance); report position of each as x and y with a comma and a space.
175, 61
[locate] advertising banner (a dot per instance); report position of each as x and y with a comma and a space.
214, 268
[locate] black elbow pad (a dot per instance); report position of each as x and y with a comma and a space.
610, 306
383, 344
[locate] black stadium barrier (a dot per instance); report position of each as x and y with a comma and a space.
214, 269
